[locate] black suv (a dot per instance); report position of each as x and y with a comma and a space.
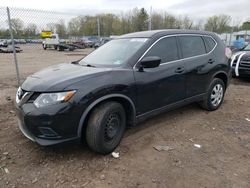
125, 81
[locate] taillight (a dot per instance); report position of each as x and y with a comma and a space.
228, 52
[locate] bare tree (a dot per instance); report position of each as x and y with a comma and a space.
246, 25
31, 30
218, 23
170, 21
157, 20
187, 23
61, 28
50, 27
17, 26
140, 19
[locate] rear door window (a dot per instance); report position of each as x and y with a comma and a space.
192, 46
166, 49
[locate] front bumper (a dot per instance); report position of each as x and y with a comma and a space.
48, 126
243, 72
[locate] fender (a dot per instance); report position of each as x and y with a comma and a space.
240, 54
238, 63
223, 72
96, 102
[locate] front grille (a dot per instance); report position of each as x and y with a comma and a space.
242, 64
33, 97
23, 96
245, 64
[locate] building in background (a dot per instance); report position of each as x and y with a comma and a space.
232, 39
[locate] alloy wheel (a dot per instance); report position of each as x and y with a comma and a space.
217, 95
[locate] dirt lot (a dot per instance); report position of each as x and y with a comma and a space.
222, 161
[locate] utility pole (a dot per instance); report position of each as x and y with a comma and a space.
98, 27
150, 19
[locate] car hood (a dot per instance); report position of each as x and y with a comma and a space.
245, 57
58, 77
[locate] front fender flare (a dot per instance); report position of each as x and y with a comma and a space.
96, 102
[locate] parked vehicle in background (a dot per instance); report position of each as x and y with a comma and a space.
21, 41
110, 89
54, 42
6, 48
34, 41
94, 39
241, 62
88, 43
3, 43
51, 42
81, 43
103, 41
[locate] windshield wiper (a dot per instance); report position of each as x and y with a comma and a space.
89, 65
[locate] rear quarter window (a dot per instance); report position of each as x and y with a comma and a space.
192, 46
210, 43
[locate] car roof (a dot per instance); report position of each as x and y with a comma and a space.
155, 33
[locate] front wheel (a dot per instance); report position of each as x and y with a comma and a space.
105, 127
215, 95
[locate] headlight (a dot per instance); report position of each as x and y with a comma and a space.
46, 99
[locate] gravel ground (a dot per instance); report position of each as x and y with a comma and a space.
223, 160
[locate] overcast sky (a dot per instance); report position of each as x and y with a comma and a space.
196, 9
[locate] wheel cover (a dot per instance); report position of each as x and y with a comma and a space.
217, 95
112, 127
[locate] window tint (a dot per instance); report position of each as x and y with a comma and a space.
192, 46
210, 43
166, 49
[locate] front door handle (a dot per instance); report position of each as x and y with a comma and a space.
180, 70
211, 61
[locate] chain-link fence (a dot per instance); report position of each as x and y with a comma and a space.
33, 39
30, 39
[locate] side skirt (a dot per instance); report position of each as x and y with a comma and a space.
169, 107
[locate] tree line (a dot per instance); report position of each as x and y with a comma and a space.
113, 24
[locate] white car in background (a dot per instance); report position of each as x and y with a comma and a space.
3, 43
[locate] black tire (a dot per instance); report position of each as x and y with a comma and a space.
105, 127
44, 46
209, 102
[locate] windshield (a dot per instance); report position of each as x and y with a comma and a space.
115, 52
247, 47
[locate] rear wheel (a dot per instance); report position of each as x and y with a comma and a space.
215, 95
105, 127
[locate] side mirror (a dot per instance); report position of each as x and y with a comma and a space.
149, 62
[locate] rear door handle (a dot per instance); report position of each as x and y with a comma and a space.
180, 70
211, 61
